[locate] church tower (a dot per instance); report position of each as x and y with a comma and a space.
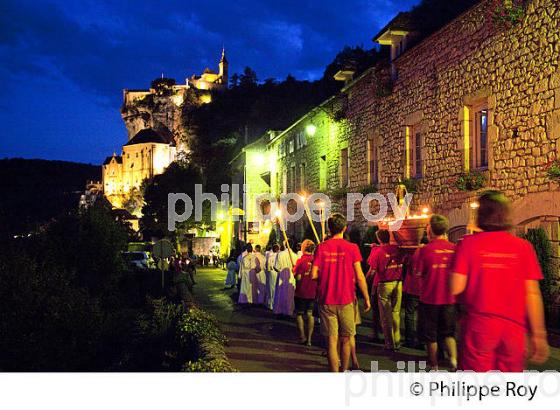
224, 68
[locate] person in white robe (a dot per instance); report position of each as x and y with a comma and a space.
250, 267
271, 276
285, 283
260, 278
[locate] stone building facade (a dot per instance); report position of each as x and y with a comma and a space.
474, 100
472, 97
147, 154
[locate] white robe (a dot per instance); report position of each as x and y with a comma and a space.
285, 284
260, 280
250, 266
271, 276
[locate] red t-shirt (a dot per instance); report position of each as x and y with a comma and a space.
412, 282
387, 263
335, 260
433, 267
306, 287
497, 264
371, 261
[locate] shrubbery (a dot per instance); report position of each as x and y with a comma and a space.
69, 303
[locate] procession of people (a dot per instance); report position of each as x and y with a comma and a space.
475, 305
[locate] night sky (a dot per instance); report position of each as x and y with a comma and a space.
64, 63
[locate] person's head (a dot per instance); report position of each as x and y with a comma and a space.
438, 226
258, 248
494, 211
383, 236
306, 243
249, 248
336, 224
275, 248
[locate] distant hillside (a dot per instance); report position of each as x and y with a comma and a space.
33, 191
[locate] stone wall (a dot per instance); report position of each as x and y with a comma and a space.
515, 71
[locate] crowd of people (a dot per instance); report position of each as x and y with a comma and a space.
484, 290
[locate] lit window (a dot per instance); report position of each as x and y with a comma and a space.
291, 146
344, 168
302, 176
478, 147
417, 153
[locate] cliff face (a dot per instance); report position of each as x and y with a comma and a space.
161, 109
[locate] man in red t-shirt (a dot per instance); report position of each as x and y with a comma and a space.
306, 292
337, 268
437, 304
387, 265
374, 280
497, 275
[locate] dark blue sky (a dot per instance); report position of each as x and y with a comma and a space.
64, 63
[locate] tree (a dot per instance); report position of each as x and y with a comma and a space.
179, 177
248, 79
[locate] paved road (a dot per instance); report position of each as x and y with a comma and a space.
260, 342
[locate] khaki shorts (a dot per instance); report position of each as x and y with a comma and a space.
337, 320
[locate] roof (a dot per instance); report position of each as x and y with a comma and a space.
401, 22
208, 71
147, 136
118, 158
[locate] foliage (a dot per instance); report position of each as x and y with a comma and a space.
62, 306
198, 324
543, 248
470, 181
218, 365
134, 201
35, 191
368, 189
162, 85
553, 170
179, 177
507, 13
157, 344
411, 185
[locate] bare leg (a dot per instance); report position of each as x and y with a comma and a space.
345, 352
332, 353
301, 327
353, 355
433, 355
451, 346
310, 326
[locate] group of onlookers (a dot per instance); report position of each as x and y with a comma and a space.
487, 284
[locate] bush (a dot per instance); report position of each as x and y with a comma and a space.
543, 248
470, 181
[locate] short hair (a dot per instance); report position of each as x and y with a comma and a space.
494, 211
275, 247
383, 235
249, 248
258, 248
336, 223
439, 224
